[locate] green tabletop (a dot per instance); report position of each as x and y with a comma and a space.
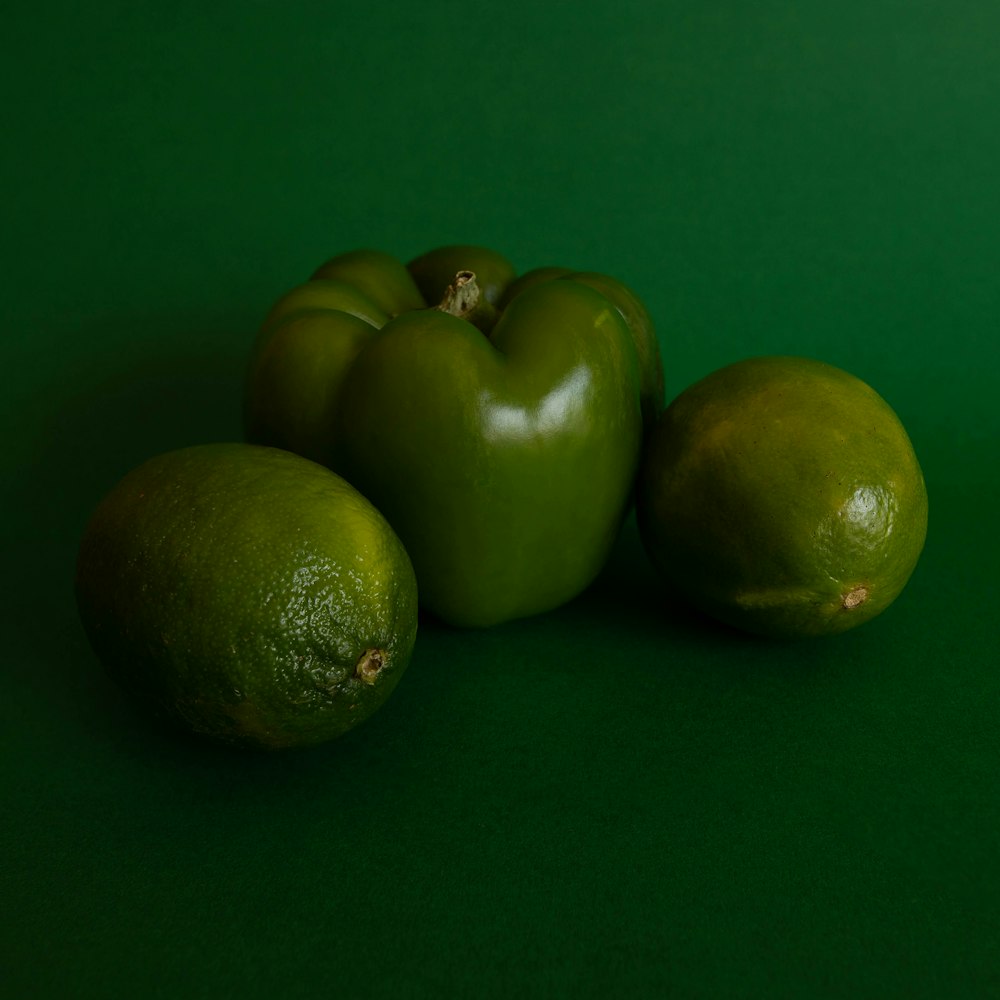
614, 799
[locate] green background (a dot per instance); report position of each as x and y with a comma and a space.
616, 798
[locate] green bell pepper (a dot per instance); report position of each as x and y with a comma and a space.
498, 430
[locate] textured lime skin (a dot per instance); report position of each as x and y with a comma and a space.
782, 495
248, 595
504, 453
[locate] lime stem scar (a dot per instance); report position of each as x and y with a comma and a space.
855, 597
370, 665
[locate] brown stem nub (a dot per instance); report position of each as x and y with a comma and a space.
463, 298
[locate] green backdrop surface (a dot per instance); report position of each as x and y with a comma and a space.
617, 798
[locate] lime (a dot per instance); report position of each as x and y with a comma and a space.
247, 594
783, 496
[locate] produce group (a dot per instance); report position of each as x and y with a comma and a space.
451, 431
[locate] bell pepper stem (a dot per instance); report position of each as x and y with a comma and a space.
463, 298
